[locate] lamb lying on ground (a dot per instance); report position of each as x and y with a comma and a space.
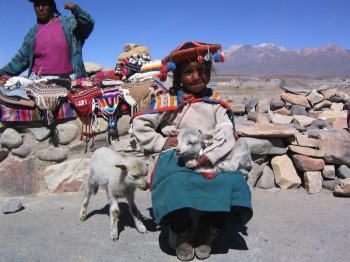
191, 143
120, 177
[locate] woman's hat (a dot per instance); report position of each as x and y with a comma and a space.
202, 52
41, 0
55, 11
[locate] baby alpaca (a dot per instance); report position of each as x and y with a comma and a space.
120, 177
191, 143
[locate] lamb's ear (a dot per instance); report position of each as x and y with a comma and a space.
122, 167
207, 137
144, 158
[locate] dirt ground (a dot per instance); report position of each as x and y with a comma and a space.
288, 225
244, 88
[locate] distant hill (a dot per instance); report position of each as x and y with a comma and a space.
272, 60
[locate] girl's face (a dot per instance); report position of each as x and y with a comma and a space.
194, 76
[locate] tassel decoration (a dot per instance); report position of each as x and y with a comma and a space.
217, 57
171, 66
222, 58
163, 72
208, 57
201, 59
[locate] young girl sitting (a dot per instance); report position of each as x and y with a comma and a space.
194, 205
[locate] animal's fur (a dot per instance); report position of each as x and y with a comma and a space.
191, 142
13, 81
120, 177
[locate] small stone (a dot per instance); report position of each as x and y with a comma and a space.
12, 206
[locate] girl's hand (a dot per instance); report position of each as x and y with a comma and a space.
203, 161
170, 142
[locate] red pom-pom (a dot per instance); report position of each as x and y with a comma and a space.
162, 75
163, 72
222, 58
208, 175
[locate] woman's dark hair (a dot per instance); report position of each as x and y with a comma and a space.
54, 8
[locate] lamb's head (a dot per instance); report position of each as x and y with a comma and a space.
136, 172
13, 81
189, 143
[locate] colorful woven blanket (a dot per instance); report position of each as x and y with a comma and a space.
10, 114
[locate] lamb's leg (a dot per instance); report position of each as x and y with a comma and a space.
87, 194
135, 213
114, 215
240, 158
191, 163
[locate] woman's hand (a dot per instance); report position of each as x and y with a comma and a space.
203, 161
70, 6
170, 142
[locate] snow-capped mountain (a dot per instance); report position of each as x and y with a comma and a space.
270, 59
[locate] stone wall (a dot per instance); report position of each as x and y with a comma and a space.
30, 164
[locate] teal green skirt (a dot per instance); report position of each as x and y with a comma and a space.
174, 187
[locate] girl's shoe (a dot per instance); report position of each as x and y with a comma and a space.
204, 249
184, 250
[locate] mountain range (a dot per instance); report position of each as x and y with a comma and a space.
273, 60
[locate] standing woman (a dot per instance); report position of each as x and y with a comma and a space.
53, 47
178, 192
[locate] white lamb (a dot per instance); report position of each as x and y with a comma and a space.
191, 143
120, 177
13, 81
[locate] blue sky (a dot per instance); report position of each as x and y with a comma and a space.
163, 25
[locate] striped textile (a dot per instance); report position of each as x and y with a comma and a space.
9, 114
168, 102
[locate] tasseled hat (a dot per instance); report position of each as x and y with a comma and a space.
188, 51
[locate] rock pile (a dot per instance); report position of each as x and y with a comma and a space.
296, 139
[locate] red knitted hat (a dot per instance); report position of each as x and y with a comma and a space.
190, 50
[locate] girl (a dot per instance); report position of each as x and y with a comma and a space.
194, 206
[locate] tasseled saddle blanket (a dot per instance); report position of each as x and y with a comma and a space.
47, 97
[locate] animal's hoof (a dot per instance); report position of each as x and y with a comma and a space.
114, 235
142, 229
82, 216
